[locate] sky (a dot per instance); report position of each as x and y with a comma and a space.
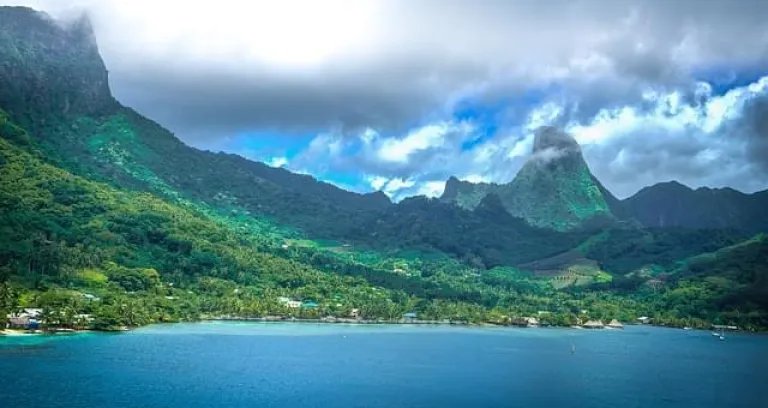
399, 95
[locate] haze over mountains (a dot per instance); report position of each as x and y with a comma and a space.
552, 219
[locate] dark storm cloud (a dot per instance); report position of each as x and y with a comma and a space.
752, 127
200, 105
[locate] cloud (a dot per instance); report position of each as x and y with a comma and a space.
208, 70
717, 143
710, 140
382, 86
277, 161
428, 137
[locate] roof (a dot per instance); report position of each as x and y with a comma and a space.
19, 320
410, 315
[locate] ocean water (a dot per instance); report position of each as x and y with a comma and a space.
308, 365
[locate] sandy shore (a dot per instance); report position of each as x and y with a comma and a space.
344, 321
9, 332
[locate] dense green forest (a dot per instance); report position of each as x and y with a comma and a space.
106, 214
147, 260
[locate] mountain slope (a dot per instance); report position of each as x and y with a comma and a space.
60, 231
54, 83
732, 279
672, 204
486, 237
555, 188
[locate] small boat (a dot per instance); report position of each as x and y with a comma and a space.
716, 334
686, 328
573, 349
722, 337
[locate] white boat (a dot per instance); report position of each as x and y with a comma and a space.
686, 328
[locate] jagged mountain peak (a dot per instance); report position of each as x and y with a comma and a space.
554, 188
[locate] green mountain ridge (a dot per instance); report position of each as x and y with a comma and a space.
95, 197
673, 204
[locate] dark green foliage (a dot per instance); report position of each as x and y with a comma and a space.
675, 205
625, 250
742, 272
486, 237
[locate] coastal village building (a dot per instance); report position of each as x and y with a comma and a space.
724, 327
27, 318
594, 324
644, 320
88, 296
532, 322
615, 324
288, 302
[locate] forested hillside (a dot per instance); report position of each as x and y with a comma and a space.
97, 201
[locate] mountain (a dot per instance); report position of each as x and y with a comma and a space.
673, 204
53, 82
97, 199
50, 67
554, 188
487, 237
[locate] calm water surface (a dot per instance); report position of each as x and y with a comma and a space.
305, 365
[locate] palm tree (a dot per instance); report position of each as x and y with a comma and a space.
68, 317
9, 302
50, 317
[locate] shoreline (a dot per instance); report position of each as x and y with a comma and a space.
332, 321
327, 320
416, 322
56, 332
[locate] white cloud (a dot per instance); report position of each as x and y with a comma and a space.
278, 161
377, 182
669, 113
397, 184
431, 188
626, 147
426, 137
629, 148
